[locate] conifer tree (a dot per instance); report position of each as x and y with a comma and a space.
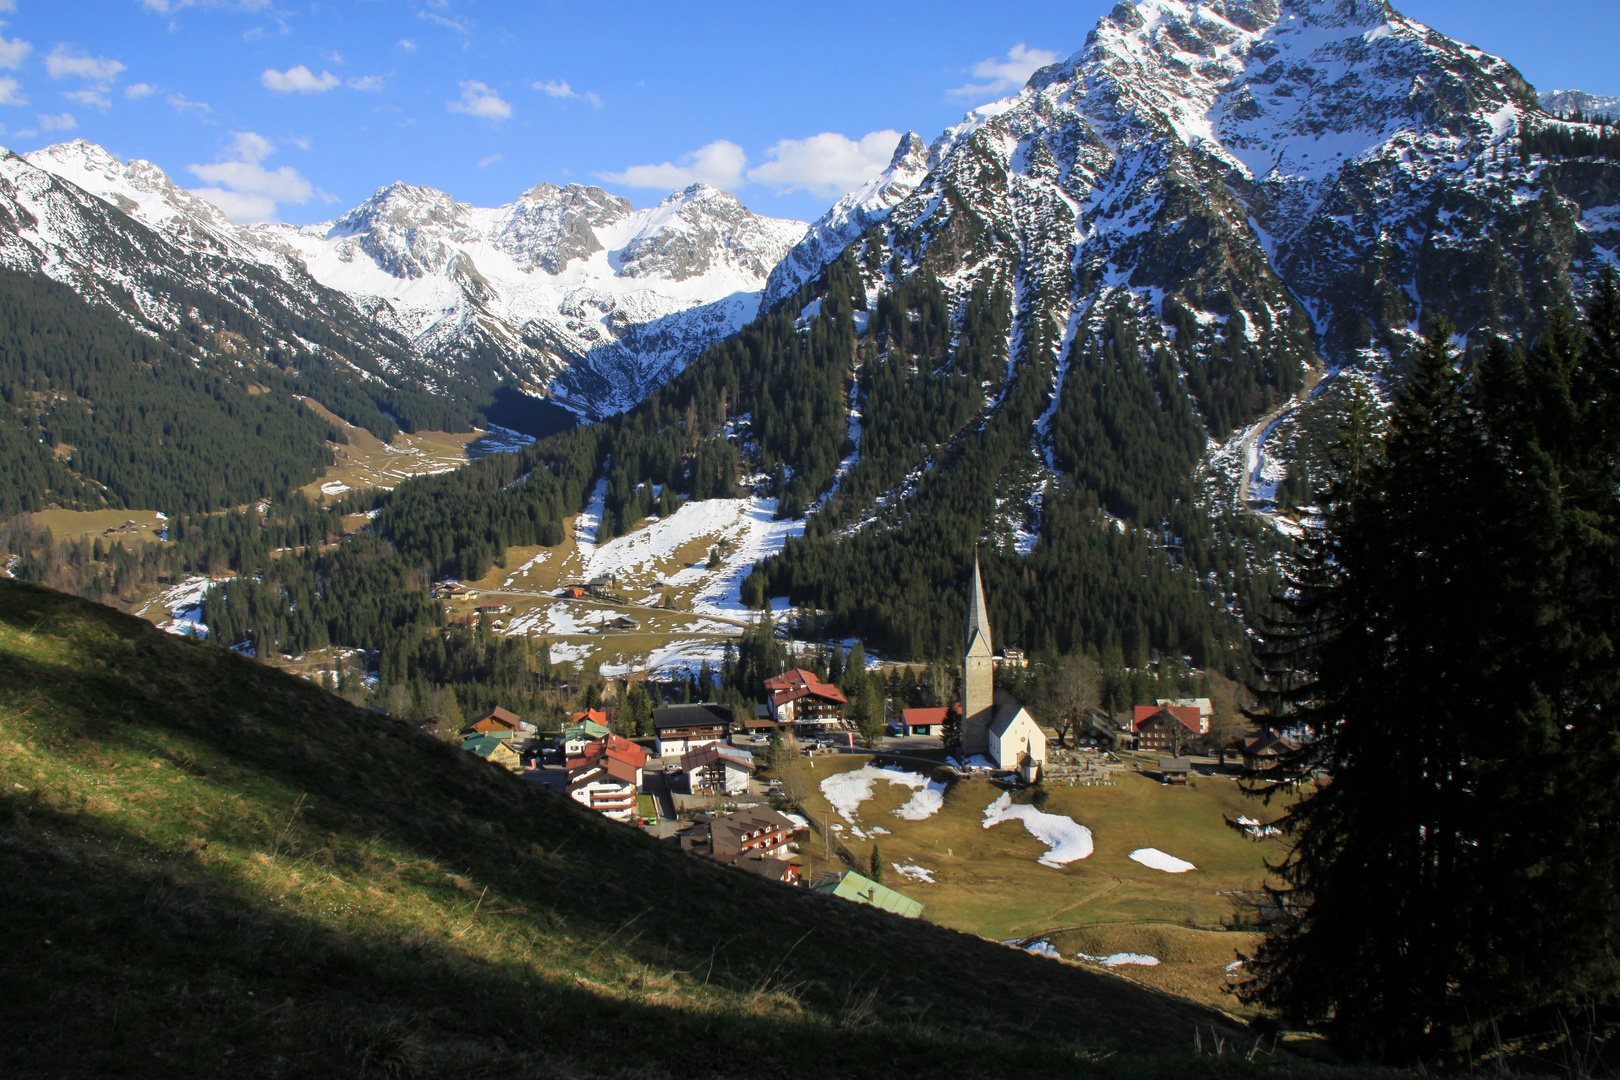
1445, 642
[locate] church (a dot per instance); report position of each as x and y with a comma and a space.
995, 725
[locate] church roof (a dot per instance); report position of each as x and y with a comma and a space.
978, 624
1006, 713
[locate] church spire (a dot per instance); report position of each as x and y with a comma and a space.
978, 622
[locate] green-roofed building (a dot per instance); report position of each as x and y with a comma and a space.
575, 736
493, 749
852, 886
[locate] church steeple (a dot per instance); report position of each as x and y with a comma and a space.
978, 671
977, 642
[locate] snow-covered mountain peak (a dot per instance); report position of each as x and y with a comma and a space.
850, 216
702, 229
143, 191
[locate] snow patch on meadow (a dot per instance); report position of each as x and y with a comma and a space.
1158, 860
1066, 839
846, 791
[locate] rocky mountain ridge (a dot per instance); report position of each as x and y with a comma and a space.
569, 292
1256, 188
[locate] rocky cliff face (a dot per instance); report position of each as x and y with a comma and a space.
1564, 102
124, 235
567, 291
570, 291
1251, 188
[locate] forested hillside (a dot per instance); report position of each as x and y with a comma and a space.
95, 414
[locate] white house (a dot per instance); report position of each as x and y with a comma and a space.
719, 769
605, 784
1014, 733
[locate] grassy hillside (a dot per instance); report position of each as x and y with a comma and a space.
210, 867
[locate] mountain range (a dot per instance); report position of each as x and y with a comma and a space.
1077, 300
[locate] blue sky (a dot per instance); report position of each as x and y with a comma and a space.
302, 109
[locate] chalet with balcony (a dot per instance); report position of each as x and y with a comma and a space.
683, 728
798, 697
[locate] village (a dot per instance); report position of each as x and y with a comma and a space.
789, 794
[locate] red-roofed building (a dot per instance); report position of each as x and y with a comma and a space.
613, 746
799, 697
1166, 727
605, 784
926, 721
595, 716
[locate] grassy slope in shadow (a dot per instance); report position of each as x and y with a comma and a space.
210, 867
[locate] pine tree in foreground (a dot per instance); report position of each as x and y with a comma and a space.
1448, 642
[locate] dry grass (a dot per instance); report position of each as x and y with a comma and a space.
211, 866
81, 524
989, 882
368, 462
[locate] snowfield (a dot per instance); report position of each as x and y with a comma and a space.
747, 525
1158, 860
846, 791
924, 804
1121, 958
1067, 839
915, 873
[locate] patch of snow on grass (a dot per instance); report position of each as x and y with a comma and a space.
1042, 948
1121, 958
1067, 839
924, 803
746, 525
846, 791
915, 873
1158, 860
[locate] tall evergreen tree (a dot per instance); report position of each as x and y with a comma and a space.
1446, 641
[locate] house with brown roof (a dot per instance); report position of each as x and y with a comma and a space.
606, 784
717, 769
613, 746
1165, 727
1262, 748
499, 722
681, 728
798, 697
755, 839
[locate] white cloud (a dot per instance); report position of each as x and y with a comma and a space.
8, 5
239, 207
11, 92
13, 52
298, 80
243, 187
62, 64
407, 45
169, 7
58, 122
479, 100
720, 164
1006, 74
449, 24
484, 163
825, 164
559, 88
93, 97
136, 91
369, 84
182, 103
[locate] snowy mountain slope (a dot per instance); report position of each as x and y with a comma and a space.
1257, 185
849, 217
1563, 102
124, 235
569, 291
